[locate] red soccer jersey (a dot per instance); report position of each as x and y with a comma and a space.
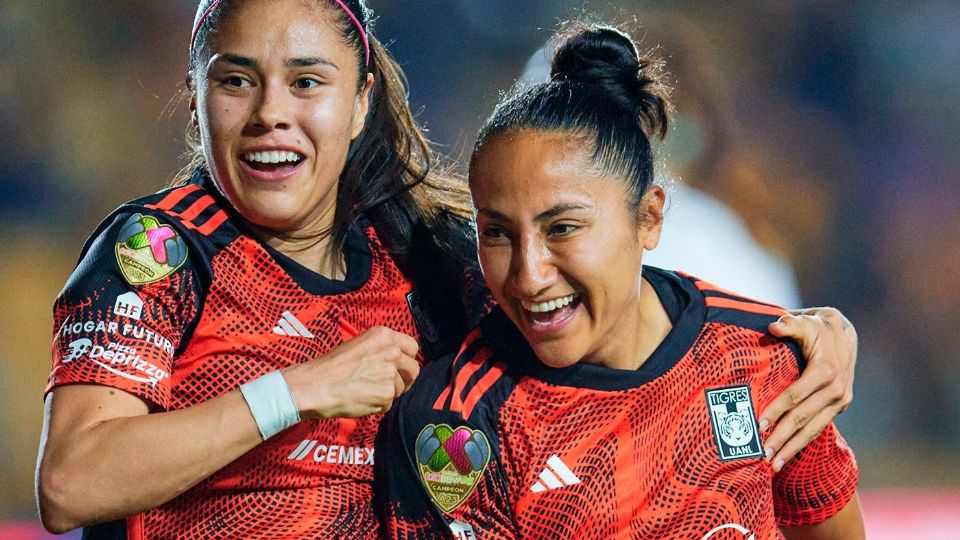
175, 302
493, 444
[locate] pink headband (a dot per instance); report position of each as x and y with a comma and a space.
353, 18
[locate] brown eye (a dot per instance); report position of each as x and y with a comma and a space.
562, 228
493, 233
306, 83
236, 81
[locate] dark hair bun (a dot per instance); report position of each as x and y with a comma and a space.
596, 55
608, 59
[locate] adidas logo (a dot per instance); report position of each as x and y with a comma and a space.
291, 326
555, 476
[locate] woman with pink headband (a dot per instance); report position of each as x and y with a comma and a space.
224, 349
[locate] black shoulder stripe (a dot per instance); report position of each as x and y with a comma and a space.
174, 200
445, 400
721, 294
743, 319
473, 346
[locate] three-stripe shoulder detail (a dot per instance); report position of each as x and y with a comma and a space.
729, 307
471, 376
193, 207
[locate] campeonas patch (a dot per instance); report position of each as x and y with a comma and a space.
734, 422
451, 462
148, 251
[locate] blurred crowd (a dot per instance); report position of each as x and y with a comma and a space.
827, 129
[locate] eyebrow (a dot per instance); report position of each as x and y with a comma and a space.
547, 214
236, 59
311, 61
243, 61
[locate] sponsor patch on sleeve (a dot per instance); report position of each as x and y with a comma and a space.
450, 462
148, 250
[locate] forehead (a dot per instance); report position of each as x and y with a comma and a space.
531, 169
280, 28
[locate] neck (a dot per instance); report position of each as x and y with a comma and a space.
315, 253
648, 328
310, 245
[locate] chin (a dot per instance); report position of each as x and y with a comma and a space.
272, 214
555, 356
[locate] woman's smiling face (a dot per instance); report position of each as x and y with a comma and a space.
277, 108
559, 245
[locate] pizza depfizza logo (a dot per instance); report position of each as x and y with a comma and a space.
734, 423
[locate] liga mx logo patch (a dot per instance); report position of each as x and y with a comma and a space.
734, 423
451, 462
148, 251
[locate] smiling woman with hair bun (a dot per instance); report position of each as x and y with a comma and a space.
602, 398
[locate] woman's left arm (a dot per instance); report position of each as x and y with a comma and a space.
824, 389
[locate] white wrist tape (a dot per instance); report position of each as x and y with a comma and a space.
270, 402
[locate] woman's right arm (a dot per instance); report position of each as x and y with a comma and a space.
103, 457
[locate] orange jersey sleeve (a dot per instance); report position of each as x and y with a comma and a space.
124, 311
817, 483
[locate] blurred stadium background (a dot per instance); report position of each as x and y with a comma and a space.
829, 127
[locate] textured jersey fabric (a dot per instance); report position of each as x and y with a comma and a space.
671, 450
233, 311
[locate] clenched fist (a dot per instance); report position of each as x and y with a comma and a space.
360, 377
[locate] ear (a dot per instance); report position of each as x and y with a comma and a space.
361, 107
193, 101
651, 209
193, 112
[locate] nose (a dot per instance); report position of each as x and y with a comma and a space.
273, 109
533, 269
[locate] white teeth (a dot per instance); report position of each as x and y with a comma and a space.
272, 157
550, 305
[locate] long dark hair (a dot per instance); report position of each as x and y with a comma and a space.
421, 212
602, 88
390, 175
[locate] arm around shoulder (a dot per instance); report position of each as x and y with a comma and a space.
825, 388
